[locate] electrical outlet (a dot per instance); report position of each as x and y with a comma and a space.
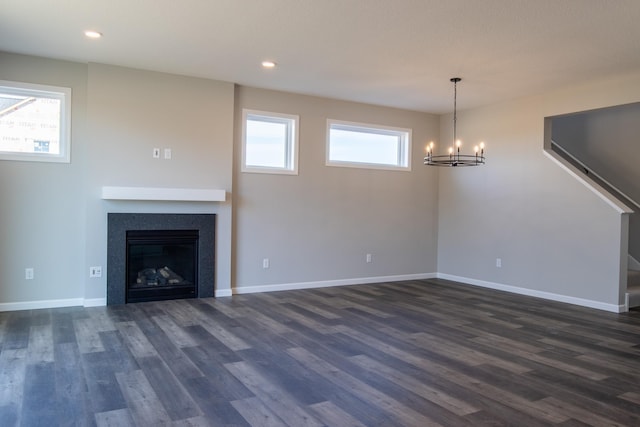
499, 262
368, 258
28, 273
167, 153
156, 153
265, 263
95, 271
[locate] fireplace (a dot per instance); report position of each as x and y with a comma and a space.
154, 257
161, 264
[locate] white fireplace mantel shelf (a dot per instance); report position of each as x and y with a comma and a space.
164, 194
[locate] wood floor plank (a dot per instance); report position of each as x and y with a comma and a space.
88, 335
257, 413
136, 340
118, 352
174, 398
3, 322
13, 364
465, 354
323, 312
115, 418
266, 322
501, 342
40, 347
227, 306
177, 334
105, 394
278, 401
215, 376
456, 406
73, 402
317, 323
180, 312
39, 388
214, 348
342, 379
631, 397
333, 415
551, 403
143, 403
596, 396
17, 328
211, 400
224, 335
201, 421
434, 368
62, 325
100, 318
167, 349
287, 374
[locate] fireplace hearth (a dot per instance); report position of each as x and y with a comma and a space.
154, 257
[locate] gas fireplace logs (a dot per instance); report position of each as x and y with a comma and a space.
158, 277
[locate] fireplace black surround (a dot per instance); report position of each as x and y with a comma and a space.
146, 229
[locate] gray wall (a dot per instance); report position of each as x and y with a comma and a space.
606, 140
42, 205
554, 235
319, 225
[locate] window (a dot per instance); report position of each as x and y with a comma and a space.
367, 146
270, 142
34, 122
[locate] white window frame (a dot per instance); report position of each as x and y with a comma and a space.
43, 91
403, 158
290, 143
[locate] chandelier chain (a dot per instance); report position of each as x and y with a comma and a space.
455, 108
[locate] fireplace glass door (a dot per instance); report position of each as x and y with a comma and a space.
161, 264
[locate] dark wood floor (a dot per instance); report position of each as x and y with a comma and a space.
418, 353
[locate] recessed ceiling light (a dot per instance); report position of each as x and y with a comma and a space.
93, 34
268, 64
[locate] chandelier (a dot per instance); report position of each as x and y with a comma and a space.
454, 158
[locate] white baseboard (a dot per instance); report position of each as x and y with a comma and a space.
538, 294
36, 305
222, 293
95, 302
627, 302
56, 303
329, 283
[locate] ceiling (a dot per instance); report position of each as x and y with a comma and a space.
398, 53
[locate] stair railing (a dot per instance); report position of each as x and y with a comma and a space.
593, 175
